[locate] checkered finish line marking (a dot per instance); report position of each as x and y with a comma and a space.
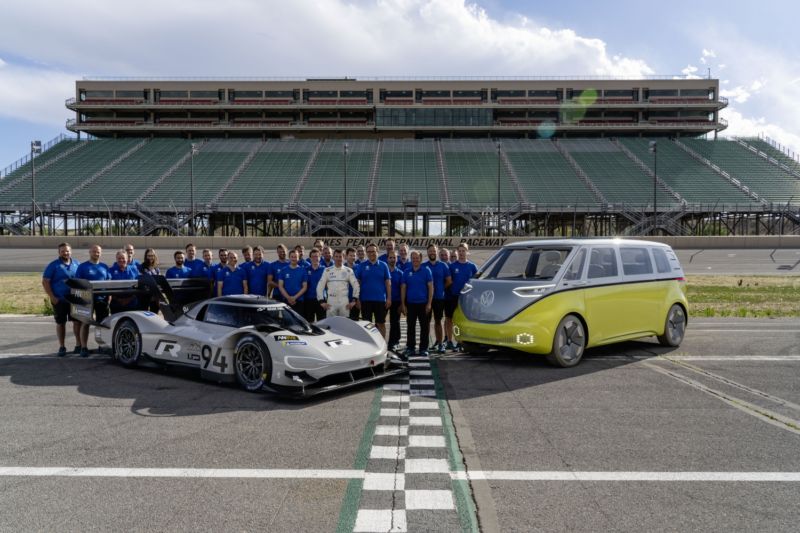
408, 481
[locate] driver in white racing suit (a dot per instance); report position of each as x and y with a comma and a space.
337, 279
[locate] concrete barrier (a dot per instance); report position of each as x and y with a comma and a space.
168, 243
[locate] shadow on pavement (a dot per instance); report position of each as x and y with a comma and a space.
504, 371
155, 390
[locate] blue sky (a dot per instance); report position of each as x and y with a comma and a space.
45, 46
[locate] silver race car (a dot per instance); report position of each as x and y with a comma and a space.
252, 340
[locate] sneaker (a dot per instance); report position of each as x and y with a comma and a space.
62, 351
451, 346
84, 352
424, 353
77, 350
441, 348
409, 352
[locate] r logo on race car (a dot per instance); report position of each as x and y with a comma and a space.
168, 346
338, 342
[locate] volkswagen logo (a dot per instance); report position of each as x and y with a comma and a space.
487, 298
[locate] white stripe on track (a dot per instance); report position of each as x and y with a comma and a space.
504, 475
220, 473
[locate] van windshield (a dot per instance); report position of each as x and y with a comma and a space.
527, 263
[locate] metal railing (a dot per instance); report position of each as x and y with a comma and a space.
24, 160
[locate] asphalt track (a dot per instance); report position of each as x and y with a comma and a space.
637, 438
694, 261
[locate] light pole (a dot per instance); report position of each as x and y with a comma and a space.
191, 186
498, 188
36, 148
345, 147
654, 149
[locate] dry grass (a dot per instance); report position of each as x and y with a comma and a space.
739, 296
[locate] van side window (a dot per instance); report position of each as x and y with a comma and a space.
662, 263
603, 263
635, 261
576, 267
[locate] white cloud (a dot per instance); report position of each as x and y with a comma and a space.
35, 94
689, 72
743, 126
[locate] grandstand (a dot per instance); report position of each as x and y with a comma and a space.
538, 157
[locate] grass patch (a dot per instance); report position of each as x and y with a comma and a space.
23, 294
709, 296
744, 296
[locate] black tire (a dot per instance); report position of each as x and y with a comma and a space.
127, 343
252, 363
569, 343
674, 327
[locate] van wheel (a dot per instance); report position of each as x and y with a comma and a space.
569, 342
674, 327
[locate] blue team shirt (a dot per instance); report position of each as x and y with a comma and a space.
92, 272
440, 272
232, 280
461, 274
372, 279
313, 280
194, 264
276, 267
130, 272
257, 277
397, 280
179, 272
293, 279
58, 272
202, 270
416, 282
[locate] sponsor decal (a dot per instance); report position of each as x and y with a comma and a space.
295, 343
168, 346
287, 338
148, 313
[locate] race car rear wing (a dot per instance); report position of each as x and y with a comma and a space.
172, 294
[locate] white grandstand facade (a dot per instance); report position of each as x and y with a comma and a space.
387, 156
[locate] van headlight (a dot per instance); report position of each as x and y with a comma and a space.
525, 339
534, 291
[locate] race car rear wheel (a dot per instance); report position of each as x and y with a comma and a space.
569, 342
127, 343
674, 327
252, 363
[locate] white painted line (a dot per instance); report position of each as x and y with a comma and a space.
427, 466
424, 421
394, 431
395, 398
430, 393
65, 471
423, 405
426, 441
505, 475
413, 381
387, 452
396, 386
374, 481
394, 411
735, 357
420, 373
370, 520
429, 499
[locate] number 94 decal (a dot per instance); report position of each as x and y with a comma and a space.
214, 358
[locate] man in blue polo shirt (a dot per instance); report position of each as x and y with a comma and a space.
232, 279
121, 270
376, 288
313, 307
132, 261
275, 272
461, 271
327, 256
180, 270
257, 272
192, 261
93, 270
293, 283
403, 261
54, 283
390, 245
441, 281
394, 311
417, 295
223, 260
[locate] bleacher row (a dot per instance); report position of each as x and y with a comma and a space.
241, 173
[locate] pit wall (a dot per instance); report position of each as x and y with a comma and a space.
269, 243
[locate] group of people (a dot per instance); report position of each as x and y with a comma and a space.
354, 282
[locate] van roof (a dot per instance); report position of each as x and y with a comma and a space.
575, 242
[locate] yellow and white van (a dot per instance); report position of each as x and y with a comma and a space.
559, 297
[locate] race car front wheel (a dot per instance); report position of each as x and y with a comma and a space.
253, 365
127, 343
